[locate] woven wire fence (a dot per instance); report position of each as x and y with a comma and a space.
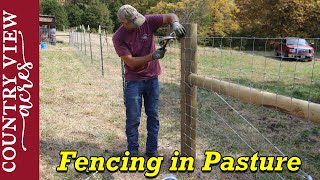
236, 128
222, 122
102, 56
227, 77
97, 49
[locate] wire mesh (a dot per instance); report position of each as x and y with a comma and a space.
236, 128
225, 123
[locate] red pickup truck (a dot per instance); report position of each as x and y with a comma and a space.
293, 47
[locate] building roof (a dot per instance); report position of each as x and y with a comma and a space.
47, 18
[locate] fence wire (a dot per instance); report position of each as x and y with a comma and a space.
224, 123
236, 128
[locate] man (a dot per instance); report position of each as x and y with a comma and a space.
134, 43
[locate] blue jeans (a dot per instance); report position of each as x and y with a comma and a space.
134, 91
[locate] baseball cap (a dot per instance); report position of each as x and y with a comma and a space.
129, 13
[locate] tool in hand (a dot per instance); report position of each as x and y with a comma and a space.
163, 41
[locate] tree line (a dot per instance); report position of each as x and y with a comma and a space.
246, 18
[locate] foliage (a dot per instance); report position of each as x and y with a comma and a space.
52, 7
90, 12
74, 15
222, 17
97, 14
142, 5
113, 6
214, 17
246, 18
275, 18
187, 9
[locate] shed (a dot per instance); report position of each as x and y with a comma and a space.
47, 21
47, 28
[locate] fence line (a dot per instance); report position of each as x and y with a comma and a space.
218, 89
216, 121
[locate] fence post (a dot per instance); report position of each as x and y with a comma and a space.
90, 43
188, 99
102, 70
81, 37
77, 39
84, 38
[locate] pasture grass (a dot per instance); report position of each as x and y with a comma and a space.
82, 110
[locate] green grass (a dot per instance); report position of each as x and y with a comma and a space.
217, 122
84, 111
290, 78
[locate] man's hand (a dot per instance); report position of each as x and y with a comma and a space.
158, 54
178, 29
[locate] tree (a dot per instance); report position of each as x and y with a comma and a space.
52, 7
74, 15
313, 20
113, 6
97, 14
141, 5
288, 18
222, 17
187, 10
275, 18
213, 17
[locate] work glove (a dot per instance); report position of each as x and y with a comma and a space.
158, 54
178, 29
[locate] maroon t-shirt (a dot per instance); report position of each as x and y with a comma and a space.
139, 42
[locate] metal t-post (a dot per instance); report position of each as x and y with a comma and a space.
101, 51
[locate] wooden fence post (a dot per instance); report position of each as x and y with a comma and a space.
188, 99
